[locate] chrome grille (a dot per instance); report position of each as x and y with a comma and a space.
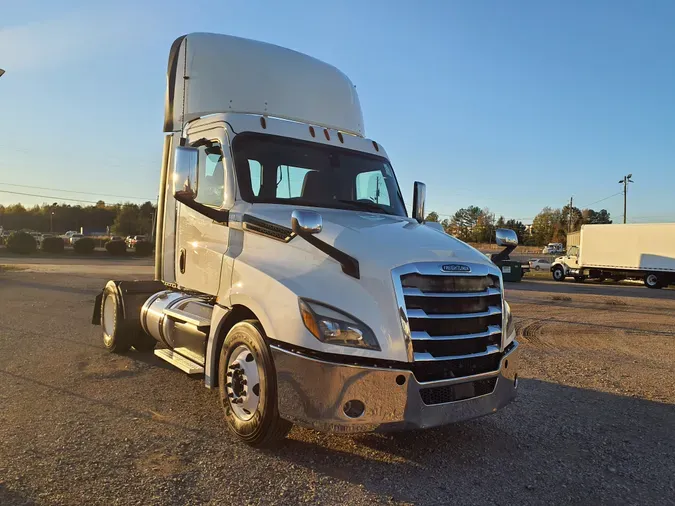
453, 320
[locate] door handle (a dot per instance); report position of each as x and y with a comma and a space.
182, 259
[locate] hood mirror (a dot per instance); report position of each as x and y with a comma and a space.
419, 196
309, 222
506, 237
185, 173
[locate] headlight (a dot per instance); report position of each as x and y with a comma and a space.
509, 325
332, 326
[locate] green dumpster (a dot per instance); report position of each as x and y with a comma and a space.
511, 270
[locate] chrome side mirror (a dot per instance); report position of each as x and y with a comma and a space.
419, 196
185, 173
506, 237
307, 222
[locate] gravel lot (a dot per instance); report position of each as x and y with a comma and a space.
594, 421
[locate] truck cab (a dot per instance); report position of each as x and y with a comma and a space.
287, 269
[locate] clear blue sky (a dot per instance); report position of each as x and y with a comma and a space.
507, 105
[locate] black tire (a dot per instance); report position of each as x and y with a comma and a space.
265, 427
558, 273
116, 337
653, 280
537, 268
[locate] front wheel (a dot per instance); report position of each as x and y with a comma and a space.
537, 268
558, 273
653, 280
248, 386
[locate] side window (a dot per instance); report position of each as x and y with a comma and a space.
372, 186
256, 176
211, 176
290, 181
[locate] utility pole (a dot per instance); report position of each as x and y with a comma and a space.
569, 216
626, 179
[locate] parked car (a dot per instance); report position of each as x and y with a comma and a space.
132, 240
540, 264
116, 238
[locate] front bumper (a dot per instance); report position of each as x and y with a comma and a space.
313, 393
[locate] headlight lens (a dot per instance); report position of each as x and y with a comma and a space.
332, 326
510, 325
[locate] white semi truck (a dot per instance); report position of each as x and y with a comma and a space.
287, 270
633, 251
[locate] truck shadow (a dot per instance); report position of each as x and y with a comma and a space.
590, 446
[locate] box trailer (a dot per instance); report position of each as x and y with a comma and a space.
634, 251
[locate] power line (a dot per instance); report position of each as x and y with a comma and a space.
48, 197
73, 191
602, 200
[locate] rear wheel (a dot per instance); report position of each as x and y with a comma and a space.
248, 386
115, 339
653, 280
558, 273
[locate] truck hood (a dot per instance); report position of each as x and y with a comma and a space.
269, 276
379, 239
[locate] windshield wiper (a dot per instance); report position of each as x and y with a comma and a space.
369, 206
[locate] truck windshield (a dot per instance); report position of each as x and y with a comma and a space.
287, 171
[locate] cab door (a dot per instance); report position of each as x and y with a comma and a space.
572, 259
201, 243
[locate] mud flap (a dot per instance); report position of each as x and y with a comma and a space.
132, 294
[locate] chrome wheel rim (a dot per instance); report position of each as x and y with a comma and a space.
108, 320
557, 274
652, 279
243, 383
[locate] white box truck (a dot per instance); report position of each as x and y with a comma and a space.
632, 251
287, 269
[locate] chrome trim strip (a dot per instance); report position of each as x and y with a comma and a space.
416, 292
419, 313
421, 335
434, 383
428, 357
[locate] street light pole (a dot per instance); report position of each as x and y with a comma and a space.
626, 179
51, 222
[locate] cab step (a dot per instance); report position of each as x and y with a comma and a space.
202, 324
176, 359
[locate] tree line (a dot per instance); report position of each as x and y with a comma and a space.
119, 219
473, 224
